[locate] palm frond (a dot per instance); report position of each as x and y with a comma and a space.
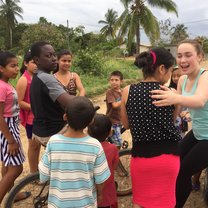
150, 24
168, 5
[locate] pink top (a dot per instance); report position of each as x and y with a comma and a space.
26, 116
109, 191
8, 96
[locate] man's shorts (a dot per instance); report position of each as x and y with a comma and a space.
44, 140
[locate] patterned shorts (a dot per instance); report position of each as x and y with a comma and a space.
13, 124
116, 137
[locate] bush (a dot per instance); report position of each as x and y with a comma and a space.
89, 62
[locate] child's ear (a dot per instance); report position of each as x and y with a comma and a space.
65, 117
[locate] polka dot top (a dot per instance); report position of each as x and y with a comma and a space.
152, 128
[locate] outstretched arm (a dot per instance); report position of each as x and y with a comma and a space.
167, 97
64, 98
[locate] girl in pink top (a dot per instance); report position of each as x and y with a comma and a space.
11, 153
101, 129
26, 115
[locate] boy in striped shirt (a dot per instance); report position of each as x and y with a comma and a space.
75, 163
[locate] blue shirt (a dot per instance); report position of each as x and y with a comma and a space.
199, 116
73, 166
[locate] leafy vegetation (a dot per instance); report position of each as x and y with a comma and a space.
96, 85
110, 20
137, 14
9, 9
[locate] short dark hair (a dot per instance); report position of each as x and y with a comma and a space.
5, 57
117, 73
80, 112
36, 48
150, 60
100, 127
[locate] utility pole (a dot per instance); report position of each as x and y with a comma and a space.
68, 33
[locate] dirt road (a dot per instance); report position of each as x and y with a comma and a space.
195, 200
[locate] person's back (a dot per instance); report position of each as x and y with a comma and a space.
74, 162
101, 129
155, 158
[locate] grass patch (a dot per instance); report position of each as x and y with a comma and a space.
96, 85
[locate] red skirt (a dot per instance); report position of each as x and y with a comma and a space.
154, 180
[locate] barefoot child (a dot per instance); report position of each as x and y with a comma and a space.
101, 129
74, 162
11, 153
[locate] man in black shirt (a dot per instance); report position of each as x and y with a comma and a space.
48, 98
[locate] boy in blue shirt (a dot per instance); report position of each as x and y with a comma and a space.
74, 162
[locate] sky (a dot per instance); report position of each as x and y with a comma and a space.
192, 13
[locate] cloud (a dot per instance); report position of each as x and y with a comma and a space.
89, 12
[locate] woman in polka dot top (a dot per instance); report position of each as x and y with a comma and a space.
155, 158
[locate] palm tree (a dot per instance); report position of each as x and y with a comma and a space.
137, 15
179, 33
9, 9
110, 20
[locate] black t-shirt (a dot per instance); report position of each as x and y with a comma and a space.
152, 128
48, 113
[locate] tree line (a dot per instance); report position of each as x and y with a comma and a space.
117, 30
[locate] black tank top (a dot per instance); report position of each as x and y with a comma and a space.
152, 128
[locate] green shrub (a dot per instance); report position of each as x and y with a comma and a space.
89, 62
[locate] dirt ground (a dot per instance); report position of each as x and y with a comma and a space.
195, 200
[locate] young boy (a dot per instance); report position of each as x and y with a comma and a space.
113, 102
100, 129
74, 162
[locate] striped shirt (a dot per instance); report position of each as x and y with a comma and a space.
73, 166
